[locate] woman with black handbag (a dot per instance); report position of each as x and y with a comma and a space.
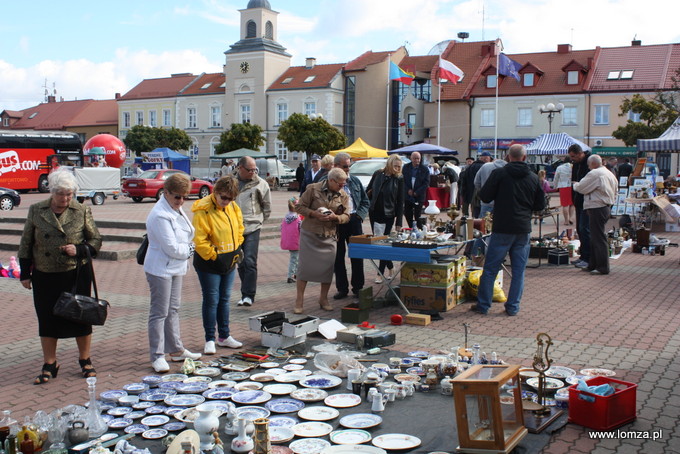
219, 235
56, 238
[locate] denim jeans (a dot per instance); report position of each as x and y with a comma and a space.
293, 263
216, 289
500, 244
247, 269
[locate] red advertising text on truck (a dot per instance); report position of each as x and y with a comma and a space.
27, 157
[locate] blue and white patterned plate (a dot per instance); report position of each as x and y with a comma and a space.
252, 397
152, 380
219, 393
119, 423
172, 411
192, 388
136, 388
119, 411
415, 371
174, 426
157, 395
410, 361
136, 414
235, 376
199, 379
155, 420
136, 429
321, 381
174, 377
156, 410
184, 400
221, 384
169, 385
108, 418
282, 421
284, 405
419, 354
251, 413
154, 434
222, 405
143, 405
113, 395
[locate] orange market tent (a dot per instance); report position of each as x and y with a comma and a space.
361, 150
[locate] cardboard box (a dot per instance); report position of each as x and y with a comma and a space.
366, 238
429, 298
448, 270
354, 314
418, 319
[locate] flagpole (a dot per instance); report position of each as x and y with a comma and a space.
495, 142
439, 107
387, 111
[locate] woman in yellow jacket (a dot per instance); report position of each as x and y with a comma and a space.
219, 235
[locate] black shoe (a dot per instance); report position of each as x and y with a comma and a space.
477, 310
290, 280
511, 314
340, 295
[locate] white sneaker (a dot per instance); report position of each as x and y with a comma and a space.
184, 355
378, 280
247, 301
209, 348
229, 342
240, 302
160, 365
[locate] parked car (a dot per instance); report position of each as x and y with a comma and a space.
150, 184
9, 198
365, 168
274, 172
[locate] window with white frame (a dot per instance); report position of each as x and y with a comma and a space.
192, 120
167, 117
126, 119
215, 116
634, 116
572, 77
491, 81
153, 118
5, 121
602, 114
310, 107
245, 113
488, 117
528, 79
569, 117
281, 112
139, 118
524, 116
281, 151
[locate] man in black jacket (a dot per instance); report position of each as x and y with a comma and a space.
517, 193
416, 182
578, 171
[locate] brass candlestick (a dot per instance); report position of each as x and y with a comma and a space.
542, 363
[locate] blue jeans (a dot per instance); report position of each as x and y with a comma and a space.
216, 289
500, 244
247, 269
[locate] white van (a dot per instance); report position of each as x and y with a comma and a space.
275, 172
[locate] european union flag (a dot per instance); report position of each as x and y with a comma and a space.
508, 67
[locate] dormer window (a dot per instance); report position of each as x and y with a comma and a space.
528, 79
572, 77
491, 81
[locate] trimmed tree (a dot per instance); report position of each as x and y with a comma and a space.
240, 135
301, 133
142, 139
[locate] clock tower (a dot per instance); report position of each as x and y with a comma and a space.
253, 64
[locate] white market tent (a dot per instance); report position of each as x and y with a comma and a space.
669, 141
554, 144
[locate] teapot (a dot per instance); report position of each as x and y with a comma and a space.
78, 433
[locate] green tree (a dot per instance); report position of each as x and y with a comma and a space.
655, 118
142, 139
240, 135
301, 133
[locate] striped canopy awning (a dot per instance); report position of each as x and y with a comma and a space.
668, 141
554, 144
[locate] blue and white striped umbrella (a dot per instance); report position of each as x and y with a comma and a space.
668, 141
554, 144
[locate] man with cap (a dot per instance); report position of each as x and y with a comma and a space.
314, 174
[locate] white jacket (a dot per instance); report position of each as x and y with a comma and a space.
562, 176
170, 241
599, 188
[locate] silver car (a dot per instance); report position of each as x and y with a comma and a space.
365, 168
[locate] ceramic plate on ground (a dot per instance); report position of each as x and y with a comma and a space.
136, 429
309, 394
411, 361
415, 371
350, 437
152, 380
222, 405
120, 423
155, 420
550, 383
143, 405
185, 400
154, 434
403, 378
280, 434
174, 426
113, 395
321, 381
312, 429
235, 376
119, 411
354, 449
419, 354
303, 372
198, 379
318, 413
396, 441
219, 393
292, 367
282, 421
342, 400
253, 397
278, 449
290, 377
155, 410
279, 389
190, 414
276, 371
136, 414
262, 377
108, 418
596, 372
560, 372
251, 413
573, 380
157, 395
298, 361
208, 371
269, 365
192, 388
174, 377
221, 384
169, 385
248, 386
360, 421
172, 411
309, 446
284, 405
136, 388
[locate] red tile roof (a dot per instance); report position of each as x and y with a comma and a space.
324, 74
159, 88
470, 58
61, 115
14, 113
421, 63
97, 113
367, 58
212, 82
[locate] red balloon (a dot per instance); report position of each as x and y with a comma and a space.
115, 149
396, 319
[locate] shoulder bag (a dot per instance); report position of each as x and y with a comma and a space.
141, 252
82, 309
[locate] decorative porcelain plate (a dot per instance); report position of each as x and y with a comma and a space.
560, 372
219, 393
169, 385
282, 421
136, 429
407, 378
172, 411
152, 380
318, 413
303, 372
342, 400
248, 386
155, 420
298, 361
550, 383
108, 418
280, 434
143, 405
190, 414
235, 376
354, 449
269, 365
174, 377
136, 414
416, 370
222, 405
262, 377
292, 367
198, 379
290, 377
221, 384
573, 380
411, 361
192, 388
120, 423
360, 421
396, 441
253, 397
174, 426
350, 437
309, 394
278, 449
136, 388
157, 395
208, 371
419, 354
309, 446
155, 410
279, 389
185, 400
284, 405
598, 372
251, 413
321, 381
119, 411
154, 434
312, 429
113, 395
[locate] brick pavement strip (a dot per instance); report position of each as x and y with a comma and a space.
627, 321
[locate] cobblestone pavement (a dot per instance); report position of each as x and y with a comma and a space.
627, 321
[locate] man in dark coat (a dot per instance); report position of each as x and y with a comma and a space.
300, 175
314, 174
469, 184
626, 168
578, 171
416, 182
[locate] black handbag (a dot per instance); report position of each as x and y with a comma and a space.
86, 310
141, 252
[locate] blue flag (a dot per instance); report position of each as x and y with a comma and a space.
508, 67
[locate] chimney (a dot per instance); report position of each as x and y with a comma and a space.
310, 62
563, 48
636, 43
51, 99
116, 96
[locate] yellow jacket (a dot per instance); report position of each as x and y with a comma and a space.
218, 230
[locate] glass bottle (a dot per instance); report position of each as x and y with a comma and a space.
94, 421
6, 426
476, 354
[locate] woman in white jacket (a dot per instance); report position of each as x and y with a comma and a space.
562, 182
170, 235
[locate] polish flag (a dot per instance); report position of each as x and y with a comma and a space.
449, 71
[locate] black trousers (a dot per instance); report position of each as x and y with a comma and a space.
599, 245
389, 222
412, 213
353, 227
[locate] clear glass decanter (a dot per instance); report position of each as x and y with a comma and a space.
94, 421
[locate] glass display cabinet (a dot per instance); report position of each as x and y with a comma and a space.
488, 402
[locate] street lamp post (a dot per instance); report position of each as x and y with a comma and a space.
551, 109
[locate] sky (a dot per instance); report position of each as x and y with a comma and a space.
92, 50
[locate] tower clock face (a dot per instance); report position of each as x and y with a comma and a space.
245, 66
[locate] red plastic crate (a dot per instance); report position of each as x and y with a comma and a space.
606, 412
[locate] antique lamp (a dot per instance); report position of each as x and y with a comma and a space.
431, 210
489, 414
